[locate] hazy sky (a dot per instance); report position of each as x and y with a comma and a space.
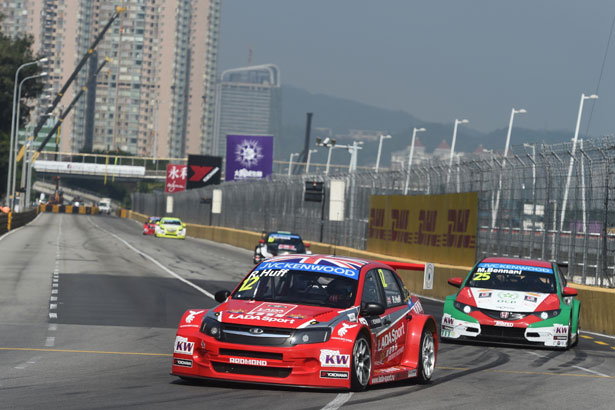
438, 59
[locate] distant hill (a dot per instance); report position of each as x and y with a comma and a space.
341, 116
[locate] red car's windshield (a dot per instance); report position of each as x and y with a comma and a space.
300, 287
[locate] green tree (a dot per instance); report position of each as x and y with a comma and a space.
14, 53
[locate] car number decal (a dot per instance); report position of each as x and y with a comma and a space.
249, 283
381, 274
482, 276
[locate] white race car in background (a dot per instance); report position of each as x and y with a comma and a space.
279, 243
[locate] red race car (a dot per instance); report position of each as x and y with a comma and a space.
311, 320
149, 227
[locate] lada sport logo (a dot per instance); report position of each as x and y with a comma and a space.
390, 337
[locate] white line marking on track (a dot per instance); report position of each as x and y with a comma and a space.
160, 265
50, 341
576, 367
338, 402
597, 334
53, 299
54, 291
53, 327
28, 363
53, 306
53, 316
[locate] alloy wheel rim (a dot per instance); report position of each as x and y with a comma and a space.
362, 361
429, 355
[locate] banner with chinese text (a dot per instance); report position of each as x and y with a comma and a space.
432, 228
176, 178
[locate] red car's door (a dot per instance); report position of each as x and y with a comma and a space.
391, 339
385, 330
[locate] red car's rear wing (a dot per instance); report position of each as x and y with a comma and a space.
404, 265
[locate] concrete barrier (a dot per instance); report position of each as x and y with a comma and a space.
597, 304
14, 220
69, 209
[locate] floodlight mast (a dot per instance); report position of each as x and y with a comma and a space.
52, 106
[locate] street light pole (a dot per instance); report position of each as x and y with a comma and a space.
290, 162
410, 156
328, 159
329, 143
512, 116
380, 150
43, 74
494, 213
12, 137
574, 147
309, 157
450, 161
354, 153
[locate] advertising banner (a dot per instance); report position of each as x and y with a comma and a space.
176, 178
203, 170
248, 157
435, 228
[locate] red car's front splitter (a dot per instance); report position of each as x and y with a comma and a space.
297, 366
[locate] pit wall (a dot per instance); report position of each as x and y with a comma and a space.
597, 304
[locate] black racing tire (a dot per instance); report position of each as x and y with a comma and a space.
361, 364
576, 340
427, 357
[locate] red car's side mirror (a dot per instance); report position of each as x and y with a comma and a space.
456, 282
570, 291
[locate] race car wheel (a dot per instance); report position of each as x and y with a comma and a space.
576, 339
361, 366
427, 357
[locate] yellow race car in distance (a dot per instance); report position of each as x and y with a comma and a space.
170, 228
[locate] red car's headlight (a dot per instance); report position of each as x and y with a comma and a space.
308, 336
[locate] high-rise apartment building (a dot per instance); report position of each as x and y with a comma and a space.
248, 101
155, 95
19, 18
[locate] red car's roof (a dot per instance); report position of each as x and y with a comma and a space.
518, 261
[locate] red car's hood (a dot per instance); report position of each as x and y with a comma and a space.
272, 314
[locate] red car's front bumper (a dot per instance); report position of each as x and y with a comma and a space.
299, 365
149, 229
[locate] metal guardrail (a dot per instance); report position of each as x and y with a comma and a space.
539, 202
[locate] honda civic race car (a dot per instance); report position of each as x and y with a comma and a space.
170, 228
314, 321
279, 243
513, 301
149, 227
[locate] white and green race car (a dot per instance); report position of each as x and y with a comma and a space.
513, 301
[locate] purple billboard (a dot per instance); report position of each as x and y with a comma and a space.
248, 157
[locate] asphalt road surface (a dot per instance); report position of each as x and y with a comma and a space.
89, 306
